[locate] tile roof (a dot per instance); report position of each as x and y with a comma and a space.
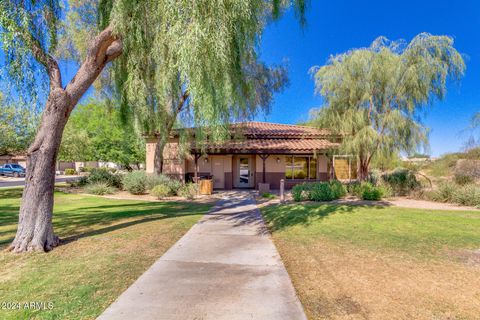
273, 145
276, 130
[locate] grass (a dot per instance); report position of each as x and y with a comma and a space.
107, 245
355, 262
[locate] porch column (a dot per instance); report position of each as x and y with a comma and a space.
264, 158
197, 156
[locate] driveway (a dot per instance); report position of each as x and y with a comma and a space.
225, 267
15, 182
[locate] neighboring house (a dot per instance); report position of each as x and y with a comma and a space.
12, 158
266, 153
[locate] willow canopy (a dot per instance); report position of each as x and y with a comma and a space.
374, 96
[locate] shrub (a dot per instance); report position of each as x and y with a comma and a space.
155, 180
444, 192
466, 171
468, 195
402, 181
102, 175
99, 188
135, 182
161, 191
188, 190
318, 191
299, 192
82, 181
353, 188
268, 195
70, 172
368, 191
463, 179
86, 169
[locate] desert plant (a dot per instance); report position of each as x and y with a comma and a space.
468, 195
70, 172
155, 180
401, 180
368, 191
462, 179
161, 191
102, 175
99, 188
444, 192
135, 182
268, 195
299, 192
188, 190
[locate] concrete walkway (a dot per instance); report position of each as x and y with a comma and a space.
225, 267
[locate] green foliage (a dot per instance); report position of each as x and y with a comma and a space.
161, 191
268, 195
402, 181
17, 127
95, 133
154, 180
135, 182
468, 195
368, 191
99, 188
103, 175
444, 192
188, 190
70, 171
318, 191
447, 191
462, 179
375, 95
207, 51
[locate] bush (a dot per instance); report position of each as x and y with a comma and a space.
268, 195
463, 179
468, 195
102, 175
161, 191
70, 172
135, 182
86, 169
188, 190
368, 191
318, 191
401, 181
99, 188
155, 180
466, 171
444, 192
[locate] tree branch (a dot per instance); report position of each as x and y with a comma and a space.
104, 48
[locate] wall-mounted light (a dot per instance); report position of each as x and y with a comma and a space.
278, 160
205, 160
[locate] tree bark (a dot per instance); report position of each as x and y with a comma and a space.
158, 160
35, 229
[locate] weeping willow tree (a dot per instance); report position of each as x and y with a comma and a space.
208, 41
374, 97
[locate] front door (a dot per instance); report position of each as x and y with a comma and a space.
245, 174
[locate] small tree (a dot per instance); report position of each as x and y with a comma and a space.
373, 95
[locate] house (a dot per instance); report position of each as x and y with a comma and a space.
265, 153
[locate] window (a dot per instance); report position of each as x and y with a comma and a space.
300, 167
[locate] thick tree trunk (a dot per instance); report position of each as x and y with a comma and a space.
363, 169
158, 159
35, 230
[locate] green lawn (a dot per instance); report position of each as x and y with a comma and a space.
355, 262
107, 245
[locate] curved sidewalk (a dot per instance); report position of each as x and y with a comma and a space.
225, 267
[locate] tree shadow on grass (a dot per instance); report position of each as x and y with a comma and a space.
279, 216
81, 222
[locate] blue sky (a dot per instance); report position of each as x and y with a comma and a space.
337, 26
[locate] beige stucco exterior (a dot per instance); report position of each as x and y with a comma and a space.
225, 167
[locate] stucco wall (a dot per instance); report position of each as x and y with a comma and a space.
172, 164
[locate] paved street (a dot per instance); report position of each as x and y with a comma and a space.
15, 182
